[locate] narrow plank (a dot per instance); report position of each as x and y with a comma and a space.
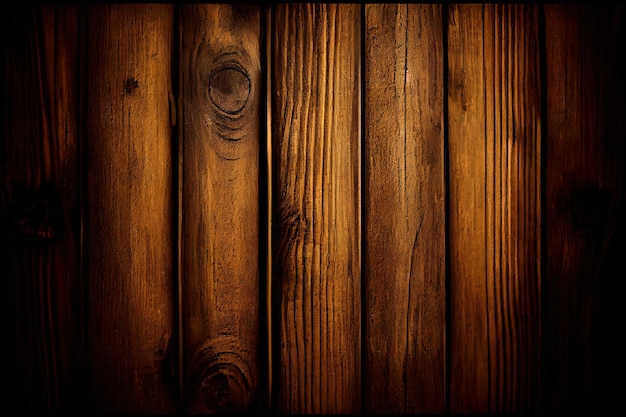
40, 209
64, 56
513, 181
404, 230
129, 209
495, 173
468, 339
584, 206
316, 152
221, 86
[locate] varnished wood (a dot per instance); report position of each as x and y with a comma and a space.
494, 208
39, 209
585, 205
221, 87
404, 226
129, 225
316, 159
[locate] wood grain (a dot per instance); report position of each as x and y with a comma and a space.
513, 112
130, 233
585, 206
468, 339
221, 87
506, 177
39, 208
404, 226
494, 208
316, 159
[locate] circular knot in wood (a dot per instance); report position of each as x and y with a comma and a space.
221, 381
229, 89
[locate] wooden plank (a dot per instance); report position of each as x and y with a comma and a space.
316, 153
513, 183
221, 87
404, 229
130, 233
584, 206
39, 202
468, 343
494, 208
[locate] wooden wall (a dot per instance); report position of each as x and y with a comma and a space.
313, 208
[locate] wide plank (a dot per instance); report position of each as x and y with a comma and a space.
404, 225
129, 207
584, 207
494, 145
220, 75
315, 99
40, 209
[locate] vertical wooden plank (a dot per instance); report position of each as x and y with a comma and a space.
63, 28
468, 343
130, 233
221, 86
584, 206
40, 211
494, 208
404, 231
513, 183
316, 151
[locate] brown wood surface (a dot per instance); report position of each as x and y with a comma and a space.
134, 227
513, 183
404, 226
129, 209
316, 158
585, 206
468, 339
39, 203
494, 208
221, 88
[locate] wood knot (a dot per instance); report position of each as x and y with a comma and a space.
229, 89
221, 380
131, 85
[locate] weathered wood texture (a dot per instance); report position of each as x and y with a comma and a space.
584, 208
129, 218
221, 89
316, 158
494, 208
482, 278
39, 209
404, 226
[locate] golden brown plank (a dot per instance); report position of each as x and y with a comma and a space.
584, 208
468, 343
513, 138
129, 241
316, 151
221, 87
39, 209
404, 228
494, 208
